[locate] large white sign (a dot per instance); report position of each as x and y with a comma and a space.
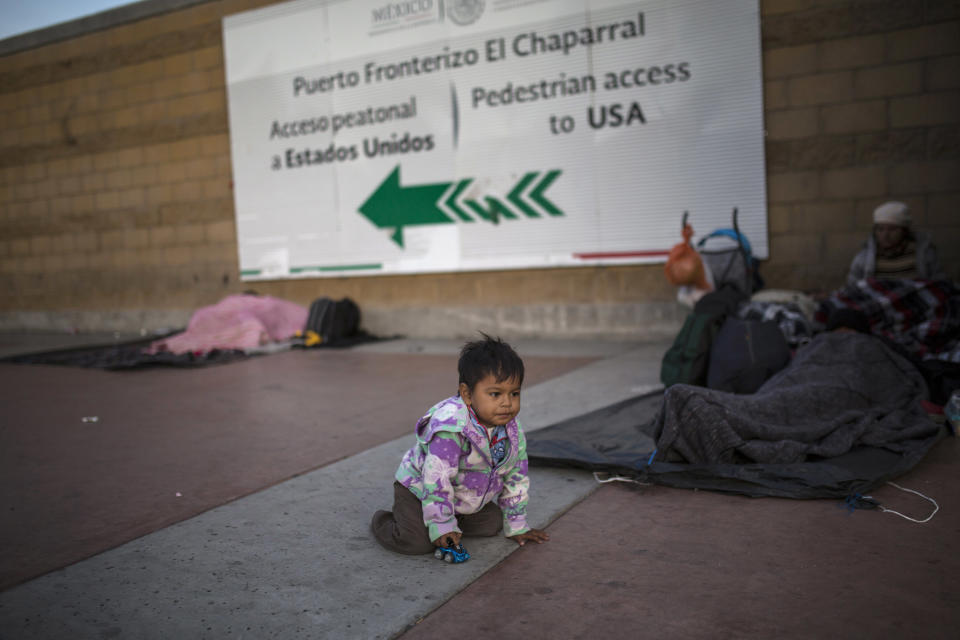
411, 136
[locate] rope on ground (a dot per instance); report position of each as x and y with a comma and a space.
936, 507
612, 478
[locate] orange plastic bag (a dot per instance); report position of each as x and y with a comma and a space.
684, 266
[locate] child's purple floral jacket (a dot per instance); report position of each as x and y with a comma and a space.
450, 470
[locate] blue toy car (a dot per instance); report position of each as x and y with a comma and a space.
452, 554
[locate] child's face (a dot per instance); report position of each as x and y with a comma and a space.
495, 403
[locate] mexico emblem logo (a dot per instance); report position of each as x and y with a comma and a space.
464, 12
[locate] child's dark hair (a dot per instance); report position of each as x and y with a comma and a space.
490, 356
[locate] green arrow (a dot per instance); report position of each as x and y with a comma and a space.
451, 200
394, 206
537, 194
514, 195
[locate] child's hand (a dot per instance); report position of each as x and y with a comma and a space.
534, 535
451, 539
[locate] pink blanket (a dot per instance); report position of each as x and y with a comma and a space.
236, 322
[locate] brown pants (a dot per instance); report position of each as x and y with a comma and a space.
403, 530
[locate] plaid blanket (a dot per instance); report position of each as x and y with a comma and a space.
920, 317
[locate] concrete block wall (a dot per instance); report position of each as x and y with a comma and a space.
115, 179
862, 105
116, 208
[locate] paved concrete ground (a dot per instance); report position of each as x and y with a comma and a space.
297, 560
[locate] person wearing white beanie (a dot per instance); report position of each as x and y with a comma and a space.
894, 250
892, 213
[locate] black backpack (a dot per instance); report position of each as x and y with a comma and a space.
688, 359
744, 354
333, 320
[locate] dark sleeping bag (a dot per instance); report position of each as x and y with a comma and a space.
745, 354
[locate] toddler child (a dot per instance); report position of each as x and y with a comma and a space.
467, 472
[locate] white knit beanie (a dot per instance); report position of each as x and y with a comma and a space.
892, 213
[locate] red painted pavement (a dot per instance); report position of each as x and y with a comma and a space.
654, 562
